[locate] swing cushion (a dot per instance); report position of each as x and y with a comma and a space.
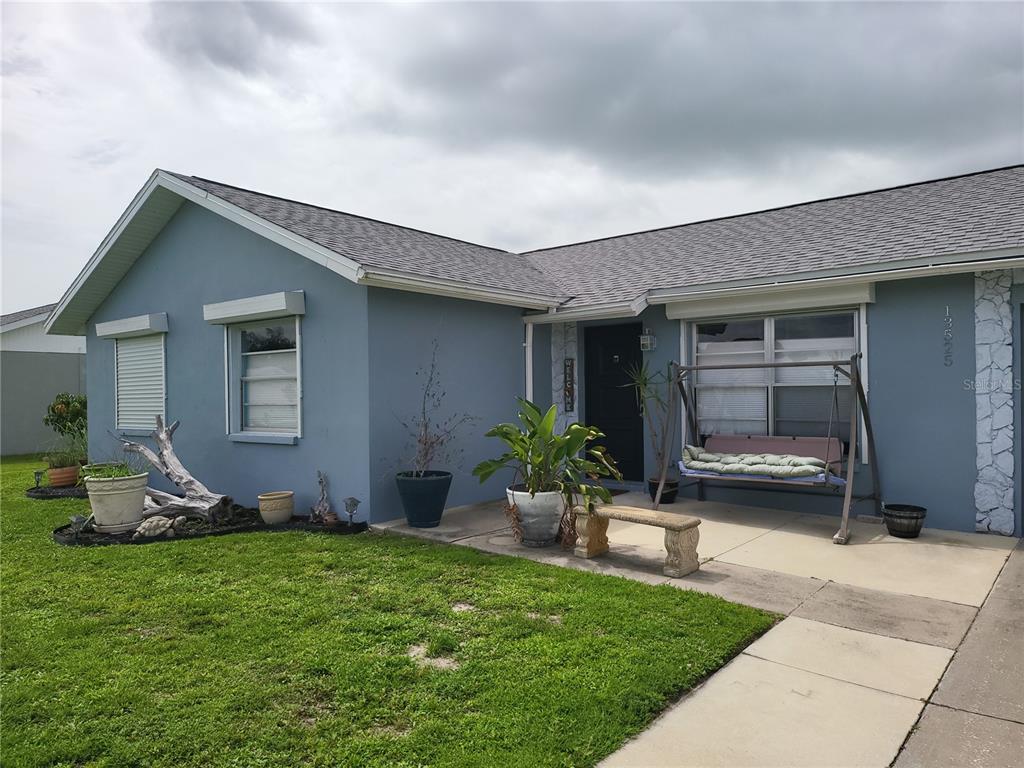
828, 449
765, 463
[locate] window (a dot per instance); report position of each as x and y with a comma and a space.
779, 401
139, 381
264, 385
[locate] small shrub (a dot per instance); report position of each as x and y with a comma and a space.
431, 434
67, 415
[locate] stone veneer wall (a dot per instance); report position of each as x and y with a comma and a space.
564, 345
994, 389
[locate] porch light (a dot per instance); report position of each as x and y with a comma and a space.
648, 341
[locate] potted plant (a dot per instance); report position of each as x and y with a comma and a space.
653, 403
552, 471
65, 461
66, 415
424, 489
117, 494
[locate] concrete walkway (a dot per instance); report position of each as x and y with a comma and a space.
870, 629
976, 716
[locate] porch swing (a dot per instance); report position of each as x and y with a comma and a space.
828, 449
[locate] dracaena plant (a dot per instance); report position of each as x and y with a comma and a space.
546, 461
653, 392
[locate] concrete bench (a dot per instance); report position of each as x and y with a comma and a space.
681, 534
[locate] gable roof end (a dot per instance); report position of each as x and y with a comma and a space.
362, 250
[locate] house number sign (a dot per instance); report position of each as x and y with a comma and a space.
947, 339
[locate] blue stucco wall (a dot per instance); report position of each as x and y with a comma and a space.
542, 366
201, 258
482, 367
923, 413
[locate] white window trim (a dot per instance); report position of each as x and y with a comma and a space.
233, 406
860, 331
163, 383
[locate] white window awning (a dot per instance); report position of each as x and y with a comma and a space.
281, 304
140, 325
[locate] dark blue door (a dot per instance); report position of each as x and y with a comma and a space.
610, 403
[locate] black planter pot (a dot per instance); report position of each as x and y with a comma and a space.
423, 496
668, 493
904, 520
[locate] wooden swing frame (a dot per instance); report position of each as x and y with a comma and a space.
850, 369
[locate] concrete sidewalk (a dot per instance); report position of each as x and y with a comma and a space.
976, 716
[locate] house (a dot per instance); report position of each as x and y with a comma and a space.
287, 337
34, 368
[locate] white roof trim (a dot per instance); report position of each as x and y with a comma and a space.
30, 320
622, 309
140, 325
1003, 258
136, 204
325, 257
281, 304
404, 282
791, 299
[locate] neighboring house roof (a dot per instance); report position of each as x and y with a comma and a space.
958, 223
965, 214
372, 243
20, 318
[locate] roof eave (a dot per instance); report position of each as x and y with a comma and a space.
955, 263
404, 281
603, 311
24, 321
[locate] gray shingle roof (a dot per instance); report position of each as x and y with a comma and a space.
975, 212
373, 243
14, 317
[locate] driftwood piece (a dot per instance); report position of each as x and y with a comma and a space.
199, 501
321, 512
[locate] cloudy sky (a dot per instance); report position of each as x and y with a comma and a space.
518, 126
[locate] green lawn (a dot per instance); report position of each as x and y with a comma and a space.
283, 649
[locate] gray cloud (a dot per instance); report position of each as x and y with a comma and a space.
518, 126
242, 37
715, 89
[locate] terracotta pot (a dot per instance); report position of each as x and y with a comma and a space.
61, 477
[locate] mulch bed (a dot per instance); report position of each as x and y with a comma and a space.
238, 519
49, 492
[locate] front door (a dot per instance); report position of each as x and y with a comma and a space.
610, 403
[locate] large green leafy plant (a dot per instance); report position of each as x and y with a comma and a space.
547, 461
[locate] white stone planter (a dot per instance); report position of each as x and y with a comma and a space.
539, 515
117, 502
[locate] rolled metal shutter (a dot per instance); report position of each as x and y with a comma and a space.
140, 381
